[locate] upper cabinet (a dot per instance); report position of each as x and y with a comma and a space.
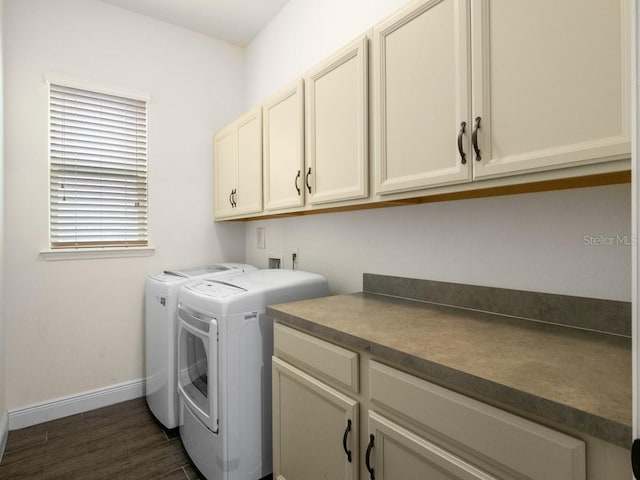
498, 88
466, 95
238, 167
336, 126
550, 84
283, 138
422, 96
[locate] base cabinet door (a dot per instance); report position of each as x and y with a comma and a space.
315, 428
396, 453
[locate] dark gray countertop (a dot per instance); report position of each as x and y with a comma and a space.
562, 375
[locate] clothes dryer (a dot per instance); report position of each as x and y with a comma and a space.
161, 298
225, 343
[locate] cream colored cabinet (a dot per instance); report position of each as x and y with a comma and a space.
315, 428
457, 437
400, 453
422, 96
494, 87
283, 140
400, 426
238, 167
550, 84
336, 115
226, 172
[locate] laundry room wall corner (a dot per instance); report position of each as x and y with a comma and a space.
4, 422
77, 326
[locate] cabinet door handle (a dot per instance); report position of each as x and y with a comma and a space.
296, 182
474, 139
367, 458
306, 180
344, 440
463, 157
231, 198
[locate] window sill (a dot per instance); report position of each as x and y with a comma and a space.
91, 253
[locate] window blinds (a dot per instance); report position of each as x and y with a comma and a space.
98, 176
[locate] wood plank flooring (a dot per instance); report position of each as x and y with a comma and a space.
119, 442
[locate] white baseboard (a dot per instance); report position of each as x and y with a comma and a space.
73, 404
4, 432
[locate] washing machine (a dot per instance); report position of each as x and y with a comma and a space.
225, 343
161, 298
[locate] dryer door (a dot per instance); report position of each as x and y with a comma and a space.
198, 365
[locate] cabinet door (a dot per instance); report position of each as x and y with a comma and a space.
396, 453
336, 123
313, 427
226, 172
421, 96
550, 83
284, 149
249, 195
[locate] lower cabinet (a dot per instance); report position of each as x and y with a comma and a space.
315, 428
436, 429
342, 415
394, 452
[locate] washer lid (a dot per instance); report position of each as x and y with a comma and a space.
220, 269
214, 288
192, 272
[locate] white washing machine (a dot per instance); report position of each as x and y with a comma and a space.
161, 298
225, 343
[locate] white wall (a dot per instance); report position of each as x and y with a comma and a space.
302, 34
531, 242
78, 325
2, 335
528, 242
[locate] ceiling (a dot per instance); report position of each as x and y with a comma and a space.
234, 21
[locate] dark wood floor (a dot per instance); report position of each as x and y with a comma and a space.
118, 442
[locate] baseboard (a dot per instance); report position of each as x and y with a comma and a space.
73, 404
4, 432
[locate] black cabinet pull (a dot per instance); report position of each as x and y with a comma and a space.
306, 180
296, 182
231, 198
474, 139
367, 458
344, 440
463, 157
635, 458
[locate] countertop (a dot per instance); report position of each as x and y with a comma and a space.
557, 374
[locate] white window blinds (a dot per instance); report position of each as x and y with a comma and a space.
98, 177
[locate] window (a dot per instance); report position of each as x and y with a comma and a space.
98, 169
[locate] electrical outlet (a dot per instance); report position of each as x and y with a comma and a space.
295, 258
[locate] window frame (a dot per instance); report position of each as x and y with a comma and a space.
84, 252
